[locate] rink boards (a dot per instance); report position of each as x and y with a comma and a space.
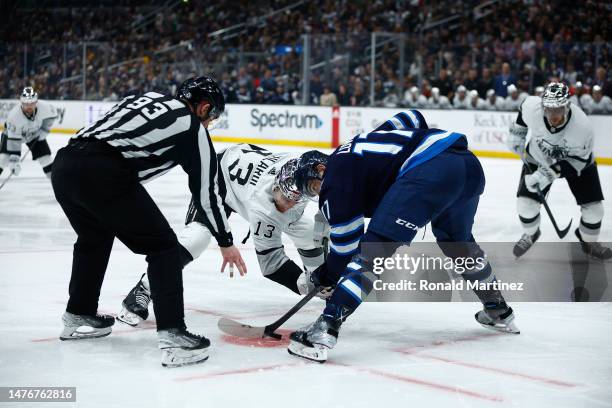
320, 127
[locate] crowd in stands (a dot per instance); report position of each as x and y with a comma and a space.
478, 60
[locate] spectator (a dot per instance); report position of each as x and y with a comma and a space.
328, 98
471, 82
244, 95
443, 83
344, 97
503, 80
485, 83
601, 79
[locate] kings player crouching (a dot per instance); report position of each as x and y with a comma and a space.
30, 121
261, 187
555, 140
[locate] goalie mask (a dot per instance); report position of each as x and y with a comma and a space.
555, 101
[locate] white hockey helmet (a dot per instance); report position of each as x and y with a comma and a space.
555, 101
28, 95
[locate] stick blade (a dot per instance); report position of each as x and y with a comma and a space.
234, 328
564, 232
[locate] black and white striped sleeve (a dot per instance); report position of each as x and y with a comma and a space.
204, 186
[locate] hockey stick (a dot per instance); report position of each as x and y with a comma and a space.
11, 173
560, 233
238, 329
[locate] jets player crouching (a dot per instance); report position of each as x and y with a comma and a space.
402, 175
260, 186
28, 122
555, 140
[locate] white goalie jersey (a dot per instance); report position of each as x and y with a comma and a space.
249, 172
572, 142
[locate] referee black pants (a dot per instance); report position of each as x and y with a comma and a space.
102, 198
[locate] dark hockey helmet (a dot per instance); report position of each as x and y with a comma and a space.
555, 101
307, 171
195, 90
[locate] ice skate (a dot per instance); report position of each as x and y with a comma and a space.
525, 243
135, 306
500, 318
313, 341
78, 327
180, 347
594, 249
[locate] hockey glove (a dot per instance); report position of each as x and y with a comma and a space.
14, 164
516, 139
540, 179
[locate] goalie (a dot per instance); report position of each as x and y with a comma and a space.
262, 188
555, 140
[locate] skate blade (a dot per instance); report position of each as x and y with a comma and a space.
176, 357
127, 317
318, 354
84, 332
509, 328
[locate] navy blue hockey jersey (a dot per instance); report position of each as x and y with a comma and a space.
360, 172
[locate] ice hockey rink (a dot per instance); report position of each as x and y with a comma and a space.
388, 354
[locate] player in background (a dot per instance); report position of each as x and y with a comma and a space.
555, 140
97, 180
474, 101
437, 101
493, 102
260, 186
598, 103
30, 121
514, 99
581, 97
460, 100
402, 175
414, 99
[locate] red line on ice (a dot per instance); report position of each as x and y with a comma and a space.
248, 370
495, 370
443, 387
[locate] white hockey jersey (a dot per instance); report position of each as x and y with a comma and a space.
603, 106
249, 173
416, 103
498, 105
20, 128
441, 103
547, 145
461, 103
514, 104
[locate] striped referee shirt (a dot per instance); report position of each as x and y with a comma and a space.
154, 133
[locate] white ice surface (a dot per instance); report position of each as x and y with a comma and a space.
388, 355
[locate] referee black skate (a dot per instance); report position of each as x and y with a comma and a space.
97, 180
